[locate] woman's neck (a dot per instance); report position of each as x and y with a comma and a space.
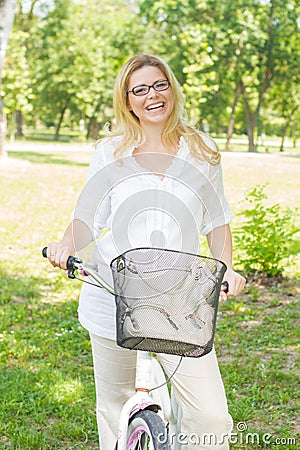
154, 143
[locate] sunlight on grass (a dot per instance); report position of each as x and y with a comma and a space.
66, 391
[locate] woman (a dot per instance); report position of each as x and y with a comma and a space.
165, 165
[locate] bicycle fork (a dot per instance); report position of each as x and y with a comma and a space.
148, 374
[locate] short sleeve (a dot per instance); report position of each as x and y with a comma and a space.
216, 210
93, 205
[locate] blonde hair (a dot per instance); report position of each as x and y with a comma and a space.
127, 124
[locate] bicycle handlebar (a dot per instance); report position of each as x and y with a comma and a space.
74, 263
71, 263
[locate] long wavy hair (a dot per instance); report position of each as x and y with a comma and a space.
127, 124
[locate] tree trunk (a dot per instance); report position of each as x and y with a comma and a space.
286, 126
58, 125
251, 143
266, 69
93, 129
294, 133
232, 115
7, 12
250, 120
3, 126
19, 123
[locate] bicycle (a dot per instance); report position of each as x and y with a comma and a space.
166, 302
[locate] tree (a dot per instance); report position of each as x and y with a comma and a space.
234, 59
75, 55
227, 50
17, 82
269, 49
7, 11
286, 106
284, 95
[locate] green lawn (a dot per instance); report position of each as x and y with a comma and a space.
46, 378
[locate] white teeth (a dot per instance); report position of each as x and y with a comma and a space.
159, 105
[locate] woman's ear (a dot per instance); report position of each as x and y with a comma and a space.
128, 105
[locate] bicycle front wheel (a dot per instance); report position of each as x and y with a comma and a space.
147, 431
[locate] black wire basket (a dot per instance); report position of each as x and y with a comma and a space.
166, 300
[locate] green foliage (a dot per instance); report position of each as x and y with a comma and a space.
63, 57
222, 44
266, 236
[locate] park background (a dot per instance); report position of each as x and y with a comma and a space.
238, 63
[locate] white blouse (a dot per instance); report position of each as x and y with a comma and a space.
144, 201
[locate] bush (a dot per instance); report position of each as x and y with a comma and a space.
266, 236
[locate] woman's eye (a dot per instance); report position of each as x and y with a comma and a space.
140, 90
161, 85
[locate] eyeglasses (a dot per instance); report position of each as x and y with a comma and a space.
143, 89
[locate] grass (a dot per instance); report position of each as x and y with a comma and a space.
266, 145
239, 143
46, 376
45, 135
257, 339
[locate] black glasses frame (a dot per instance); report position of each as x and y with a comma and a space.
154, 86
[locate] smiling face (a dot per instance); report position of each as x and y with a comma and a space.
155, 107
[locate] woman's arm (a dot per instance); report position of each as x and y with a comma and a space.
220, 244
76, 237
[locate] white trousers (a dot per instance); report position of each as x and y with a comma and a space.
197, 385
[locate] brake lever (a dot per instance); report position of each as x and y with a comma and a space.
71, 267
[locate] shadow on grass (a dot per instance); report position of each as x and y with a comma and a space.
46, 380
17, 290
48, 138
45, 158
288, 155
54, 406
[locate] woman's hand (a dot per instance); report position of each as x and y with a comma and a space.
236, 283
58, 254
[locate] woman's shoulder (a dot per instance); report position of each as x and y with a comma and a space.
105, 148
108, 143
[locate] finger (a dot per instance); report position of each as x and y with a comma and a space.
57, 259
237, 287
222, 296
50, 254
53, 255
231, 289
64, 258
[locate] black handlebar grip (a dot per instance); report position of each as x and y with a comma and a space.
70, 266
226, 285
44, 252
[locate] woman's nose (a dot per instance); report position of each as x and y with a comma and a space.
152, 92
